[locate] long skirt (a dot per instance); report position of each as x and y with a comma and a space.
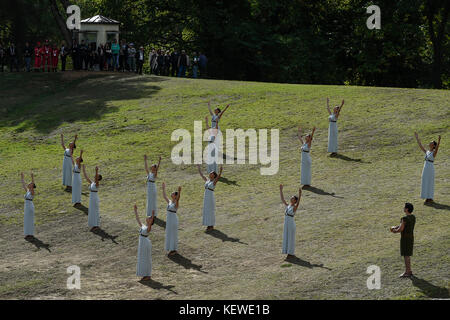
67, 172
305, 178
427, 181
28, 219
209, 208
144, 263
171, 241
332, 137
76, 188
93, 211
151, 199
289, 235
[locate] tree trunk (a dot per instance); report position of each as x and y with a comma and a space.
61, 20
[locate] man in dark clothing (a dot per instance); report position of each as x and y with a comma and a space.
76, 55
63, 51
140, 60
2, 57
27, 54
174, 62
13, 59
160, 62
167, 62
83, 55
202, 63
407, 237
183, 64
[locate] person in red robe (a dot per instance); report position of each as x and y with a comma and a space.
37, 56
47, 56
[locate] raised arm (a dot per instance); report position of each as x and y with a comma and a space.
312, 133
419, 143
218, 176
32, 181
437, 147
62, 142
164, 192
96, 176
340, 108
299, 197
137, 216
299, 135
221, 114
85, 175
146, 164
282, 196
328, 106
201, 173
75, 138
209, 108
81, 154
22, 179
178, 197
157, 166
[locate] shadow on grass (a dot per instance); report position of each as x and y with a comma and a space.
304, 263
438, 206
228, 182
222, 236
104, 235
320, 192
429, 289
82, 208
157, 285
39, 244
185, 262
344, 157
160, 223
74, 99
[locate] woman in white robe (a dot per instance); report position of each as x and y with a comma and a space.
171, 239
427, 188
305, 174
289, 223
28, 217
151, 187
76, 180
144, 255
332, 128
209, 201
67, 162
94, 201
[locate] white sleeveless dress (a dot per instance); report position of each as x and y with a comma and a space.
305, 177
76, 185
144, 256
209, 204
332, 134
151, 195
171, 240
211, 160
428, 177
289, 231
67, 169
28, 217
93, 211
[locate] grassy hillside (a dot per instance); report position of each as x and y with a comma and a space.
342, 223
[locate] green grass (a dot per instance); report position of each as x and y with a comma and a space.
341, 229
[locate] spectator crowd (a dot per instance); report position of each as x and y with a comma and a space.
111, 56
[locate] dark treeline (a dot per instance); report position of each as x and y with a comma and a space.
294, 41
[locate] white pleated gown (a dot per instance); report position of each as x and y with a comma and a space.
67, 169
94, 202
305, 177
28, 216
209, 204
76, 185
289, 231
171, 241
332, 134
151, 195
144, 256
428, 177
211, 160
